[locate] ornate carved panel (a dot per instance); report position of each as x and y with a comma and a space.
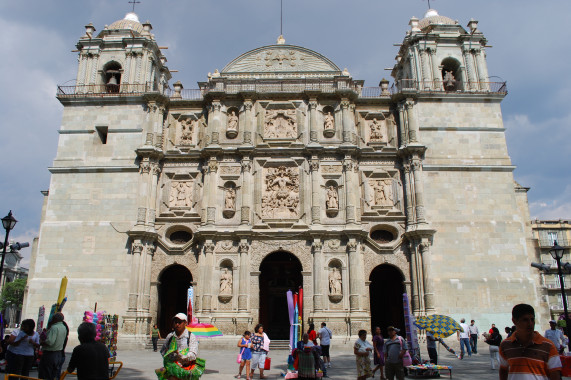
280, 193
280, 124
181, 194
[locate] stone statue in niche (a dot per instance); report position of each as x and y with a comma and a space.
280, 198
230, 198
226, 282
383, 195
280, 124
377, 133
449, 81
329, 121
186, 131
332, 202
232, 127
335, 282
181, 194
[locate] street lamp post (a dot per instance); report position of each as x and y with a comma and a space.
8, 222
557, 253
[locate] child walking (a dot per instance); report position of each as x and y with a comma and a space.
245, 344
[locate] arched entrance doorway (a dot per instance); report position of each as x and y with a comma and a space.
280, 272
385, 294
174, 283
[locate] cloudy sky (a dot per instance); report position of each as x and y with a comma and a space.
530, 51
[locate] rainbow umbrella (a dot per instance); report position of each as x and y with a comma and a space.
203, 330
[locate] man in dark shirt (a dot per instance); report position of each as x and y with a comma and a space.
91, 358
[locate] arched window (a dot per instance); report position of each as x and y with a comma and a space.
112, 76
451, 75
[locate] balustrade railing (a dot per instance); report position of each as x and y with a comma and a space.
281, 86
441, 86
124, 89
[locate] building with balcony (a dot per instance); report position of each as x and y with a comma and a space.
545, 234
283, 171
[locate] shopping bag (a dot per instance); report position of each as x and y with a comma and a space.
406, 359
268, 363
239, 358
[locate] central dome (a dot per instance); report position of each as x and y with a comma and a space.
131, 21
431, 17
281, 61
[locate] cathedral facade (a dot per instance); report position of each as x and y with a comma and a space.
282, 171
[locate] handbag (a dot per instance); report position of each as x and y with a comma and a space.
268, 364
239, 358
406, 359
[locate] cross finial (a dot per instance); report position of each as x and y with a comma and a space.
429, 7
134, 2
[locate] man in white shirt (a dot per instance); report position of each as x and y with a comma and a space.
325, 335
555, 335
473, 329
464, 338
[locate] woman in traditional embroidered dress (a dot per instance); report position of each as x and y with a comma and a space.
362, 349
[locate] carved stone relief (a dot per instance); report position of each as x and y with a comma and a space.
181, 194
280, 196
186, 131
230, 199
280, 124
382, 192
377, 131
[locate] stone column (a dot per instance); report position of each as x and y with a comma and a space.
425, 70
138, 65
418, 187
482, 72
349, 190
248, 122
207, 278
473, 83
212, 191
315, 191
313, 120
402, 126
355, 275
317, 275
152, 200
136, 250
255, 294
244, 271
412, 122
436, 72
414, 275
83, 59
428, 280
347, 130
146, 285
216, 124
246, 191
408, 187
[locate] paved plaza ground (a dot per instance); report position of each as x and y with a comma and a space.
221, 364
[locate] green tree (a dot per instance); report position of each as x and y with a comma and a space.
13, 293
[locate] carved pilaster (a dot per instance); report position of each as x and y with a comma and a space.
313, 120
428, 279
412, 122
355, 275
418, 187
317, 275
425, 70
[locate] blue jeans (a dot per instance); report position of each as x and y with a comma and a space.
474, 342
465, 342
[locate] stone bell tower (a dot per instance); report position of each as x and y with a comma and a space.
441, 55
458, 173
124, 56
